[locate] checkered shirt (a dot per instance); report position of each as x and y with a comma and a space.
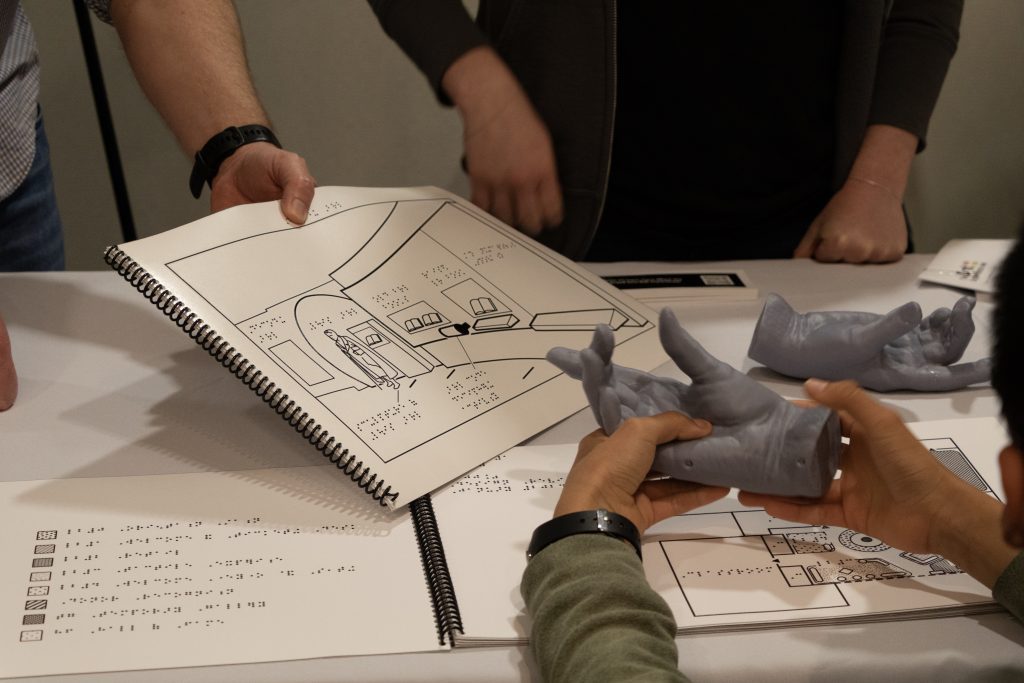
19, 91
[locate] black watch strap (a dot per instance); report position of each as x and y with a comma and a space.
220, 147
587, 522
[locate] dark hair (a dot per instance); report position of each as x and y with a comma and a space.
1008, 352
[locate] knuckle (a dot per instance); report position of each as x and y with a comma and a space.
632, 426
886, 417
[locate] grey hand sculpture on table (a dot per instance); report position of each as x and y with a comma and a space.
898, 350
759, 441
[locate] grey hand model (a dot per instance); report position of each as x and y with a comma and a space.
898, 350
759, 441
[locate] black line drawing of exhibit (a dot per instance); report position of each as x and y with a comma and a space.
430, 316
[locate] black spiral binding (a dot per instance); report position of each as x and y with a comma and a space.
435, 566
244, 370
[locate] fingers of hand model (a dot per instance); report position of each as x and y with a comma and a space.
759, 441
898, 350
889, 487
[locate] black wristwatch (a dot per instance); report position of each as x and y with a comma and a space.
587, 522
220, 147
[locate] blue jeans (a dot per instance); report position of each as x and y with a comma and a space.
31, 235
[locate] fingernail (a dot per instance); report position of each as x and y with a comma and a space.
703, 424
299, 208
815, 385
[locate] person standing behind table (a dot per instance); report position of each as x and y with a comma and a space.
595, 617
189, 59
690, 131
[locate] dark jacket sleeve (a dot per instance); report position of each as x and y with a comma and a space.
919, 41
432, 33
1009, 588
594, 617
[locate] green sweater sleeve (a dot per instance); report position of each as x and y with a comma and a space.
1009, 588
594, 617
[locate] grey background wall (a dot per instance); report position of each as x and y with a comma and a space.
344, 96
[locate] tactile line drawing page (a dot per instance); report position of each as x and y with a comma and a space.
721, 567
408, 323
175, 570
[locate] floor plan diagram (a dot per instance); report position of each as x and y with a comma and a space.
745, 563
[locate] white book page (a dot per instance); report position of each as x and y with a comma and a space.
968, 264
178, 570
406, 322
485, 519
720, 566
730, 565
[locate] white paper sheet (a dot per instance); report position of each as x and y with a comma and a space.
722, 567
968, 264
177, 570
406, 322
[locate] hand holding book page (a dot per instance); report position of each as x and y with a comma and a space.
760, 441
898, 350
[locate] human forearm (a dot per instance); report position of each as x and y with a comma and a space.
481, 86
509, 154
189, 58
884, 159
969, 534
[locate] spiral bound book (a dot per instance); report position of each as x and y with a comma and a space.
401, 332
720, 568
208, 568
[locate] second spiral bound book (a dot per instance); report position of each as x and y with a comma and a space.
401, 332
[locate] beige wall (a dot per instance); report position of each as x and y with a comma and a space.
969, 182
342, 94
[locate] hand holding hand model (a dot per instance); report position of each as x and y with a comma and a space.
898, 350
894, 489
760, 442
610, 473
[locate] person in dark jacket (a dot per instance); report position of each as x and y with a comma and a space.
690, 131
